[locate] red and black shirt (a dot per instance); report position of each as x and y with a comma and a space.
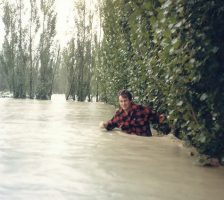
135, 121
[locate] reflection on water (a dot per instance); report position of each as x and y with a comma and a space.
55, 150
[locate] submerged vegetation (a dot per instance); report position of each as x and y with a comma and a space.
169, 54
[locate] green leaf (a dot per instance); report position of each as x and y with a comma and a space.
215, 49
202, 138
203, 97
180, 103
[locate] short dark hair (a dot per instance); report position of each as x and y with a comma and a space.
125, 94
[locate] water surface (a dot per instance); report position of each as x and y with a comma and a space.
54, 150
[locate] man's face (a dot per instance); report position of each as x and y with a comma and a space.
124, 103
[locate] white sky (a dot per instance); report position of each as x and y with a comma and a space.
64, 9
65, 19
1, 28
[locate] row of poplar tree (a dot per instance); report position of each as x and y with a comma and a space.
27, 67
32, 62
168, 53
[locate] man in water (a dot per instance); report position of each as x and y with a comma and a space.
132, 118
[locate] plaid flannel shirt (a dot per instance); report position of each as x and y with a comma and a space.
136, 121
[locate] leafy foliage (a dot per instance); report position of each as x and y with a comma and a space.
169, 54
27, 67
44, 90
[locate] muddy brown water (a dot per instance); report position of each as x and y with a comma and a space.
54, 150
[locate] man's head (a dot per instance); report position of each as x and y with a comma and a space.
125, 99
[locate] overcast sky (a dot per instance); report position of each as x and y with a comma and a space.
1, 28
65, 15
64, 9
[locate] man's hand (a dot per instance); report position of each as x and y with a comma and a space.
162, 119
163, 126
103, 124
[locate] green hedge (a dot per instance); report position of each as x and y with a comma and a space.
169, 54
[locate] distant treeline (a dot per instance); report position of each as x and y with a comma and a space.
32, 63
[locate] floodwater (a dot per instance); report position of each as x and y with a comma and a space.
54, 150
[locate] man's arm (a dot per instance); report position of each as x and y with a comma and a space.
155, 117
111, 124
